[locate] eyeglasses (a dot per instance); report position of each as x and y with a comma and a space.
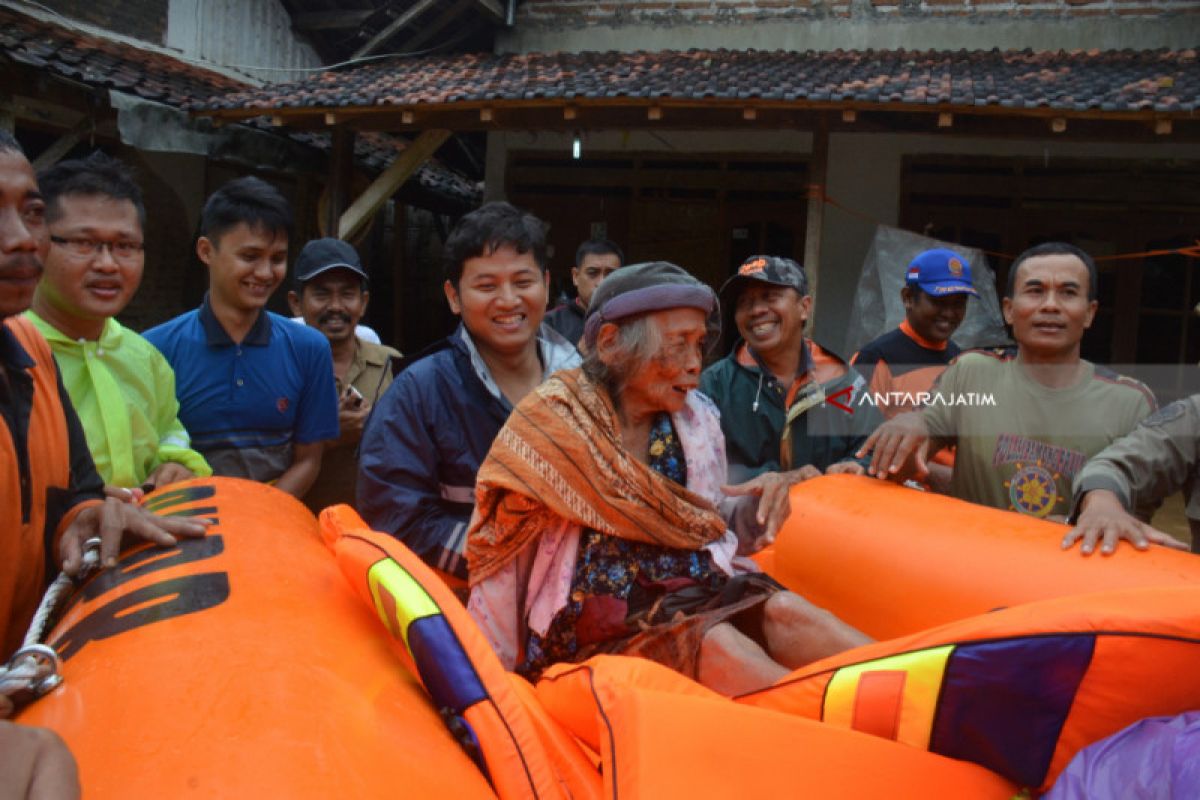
83, 247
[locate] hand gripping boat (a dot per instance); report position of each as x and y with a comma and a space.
282, 657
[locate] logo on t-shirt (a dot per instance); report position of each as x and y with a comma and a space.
282, 405
1033, 490
1037, 468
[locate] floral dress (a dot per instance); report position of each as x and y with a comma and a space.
621, 587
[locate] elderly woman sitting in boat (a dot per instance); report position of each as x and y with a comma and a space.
598, 526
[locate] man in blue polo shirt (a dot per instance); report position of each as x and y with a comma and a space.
256, 392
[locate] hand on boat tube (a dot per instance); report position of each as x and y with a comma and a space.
774, 505
1103, 518
899, 448
112, 520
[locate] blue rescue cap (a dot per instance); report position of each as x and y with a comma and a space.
940, 272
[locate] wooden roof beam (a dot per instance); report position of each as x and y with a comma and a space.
431, 29
400, 170
493, 9
64, 144
392, 27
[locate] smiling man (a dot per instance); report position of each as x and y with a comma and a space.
904, 363
121, 387
432, 428
1049, 410
255, 390
787, 404
908, 359
331, 295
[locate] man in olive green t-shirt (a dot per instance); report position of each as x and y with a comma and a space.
1023, 426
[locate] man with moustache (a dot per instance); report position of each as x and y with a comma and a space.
1049, 410
52, 499
331, 295
432, 428
788, 405
121, 387
255, 389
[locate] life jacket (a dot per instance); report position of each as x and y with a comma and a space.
25, 543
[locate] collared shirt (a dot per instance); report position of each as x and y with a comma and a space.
247, 404
370, 373
124, 392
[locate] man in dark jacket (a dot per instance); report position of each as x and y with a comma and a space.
787, 404
430, 431
595, 260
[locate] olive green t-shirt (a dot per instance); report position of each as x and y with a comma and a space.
1020, 443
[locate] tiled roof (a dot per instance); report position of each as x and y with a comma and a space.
1115, 81
103, 62
155, 76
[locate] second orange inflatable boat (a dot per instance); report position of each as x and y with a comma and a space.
281, 657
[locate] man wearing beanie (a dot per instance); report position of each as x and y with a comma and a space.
787, 404
331, 295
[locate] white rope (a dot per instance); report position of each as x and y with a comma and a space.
33, 670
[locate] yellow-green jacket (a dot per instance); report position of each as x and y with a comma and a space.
124, 392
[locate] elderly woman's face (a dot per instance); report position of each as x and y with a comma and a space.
663, 382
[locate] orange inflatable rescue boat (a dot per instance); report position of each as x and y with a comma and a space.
279, 656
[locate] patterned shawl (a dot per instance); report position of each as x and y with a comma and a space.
560, 456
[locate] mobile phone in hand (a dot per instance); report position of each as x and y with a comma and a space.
356, 398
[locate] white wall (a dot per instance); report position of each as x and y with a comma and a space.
242, 35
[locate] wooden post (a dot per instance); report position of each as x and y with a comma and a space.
341, 171
384, 186
817, 171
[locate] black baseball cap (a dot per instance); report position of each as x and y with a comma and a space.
773, 270
322, 255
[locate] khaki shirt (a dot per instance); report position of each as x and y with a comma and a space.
370, 373
1020, 444
1158, 458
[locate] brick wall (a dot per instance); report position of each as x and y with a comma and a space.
577, 13
141, 19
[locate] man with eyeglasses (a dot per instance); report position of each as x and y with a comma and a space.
121, 386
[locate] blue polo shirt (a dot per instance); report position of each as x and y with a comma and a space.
245, 405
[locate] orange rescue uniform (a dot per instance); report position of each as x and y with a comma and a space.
46, 473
